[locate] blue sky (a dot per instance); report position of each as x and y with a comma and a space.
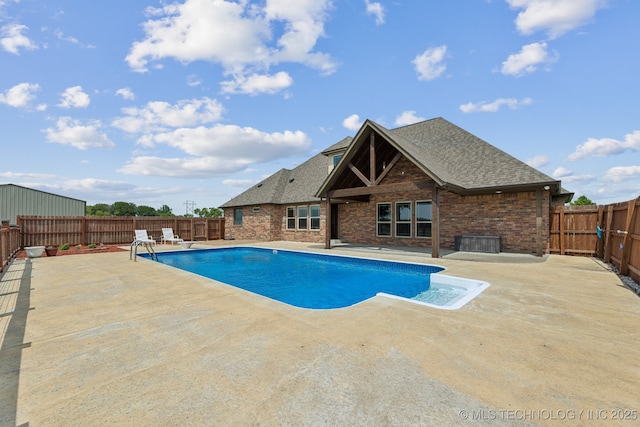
189, 103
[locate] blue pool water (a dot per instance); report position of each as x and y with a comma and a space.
303, 279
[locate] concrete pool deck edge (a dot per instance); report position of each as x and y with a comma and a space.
101, 340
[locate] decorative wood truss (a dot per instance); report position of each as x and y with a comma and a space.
369, 166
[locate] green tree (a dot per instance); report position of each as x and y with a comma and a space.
99, 209
582, 201
146, 211
165, 211
208, 212
124, 209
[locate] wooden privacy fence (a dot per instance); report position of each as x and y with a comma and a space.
55, 231
610, 232
9, 243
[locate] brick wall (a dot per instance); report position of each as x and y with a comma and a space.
309, 236
270, 224
512, 216
260, 225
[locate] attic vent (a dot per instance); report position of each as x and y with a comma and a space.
291, 180
259, 185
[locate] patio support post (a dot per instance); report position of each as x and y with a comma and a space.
435, 223
327, 225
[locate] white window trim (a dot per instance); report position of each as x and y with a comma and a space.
423, 222
384, 222
396, 221
299, 217
287, 217
311, 217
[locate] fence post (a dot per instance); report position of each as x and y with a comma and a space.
626, 240
607, 238
561, 239
600, 242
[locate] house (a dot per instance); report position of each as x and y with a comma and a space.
16, 200
430, 184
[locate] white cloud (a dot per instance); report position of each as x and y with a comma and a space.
555, 17
59, 34
245, 38
78, 135
74, 97
494, 106
538, 161
239, 183
28, 175
193, 80
622, 173
160, 115
561, 172
216, 151
429, 64
606, 146
197, 167
375, 9
256, 83
528, 60
408, 118
19, 95
126, 93
13, 40
352, 122
578, 179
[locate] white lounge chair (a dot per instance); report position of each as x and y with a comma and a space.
168, 236
143, 237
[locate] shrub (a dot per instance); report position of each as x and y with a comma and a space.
64, 247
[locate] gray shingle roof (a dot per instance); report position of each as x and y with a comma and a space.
460, 158
446, 152
286, 186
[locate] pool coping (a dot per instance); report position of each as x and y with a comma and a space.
472, 287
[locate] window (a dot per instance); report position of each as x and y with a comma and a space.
314, 216
423, 219
237, 217
302, 217
384, 219
336, 159
291, 218
403, 219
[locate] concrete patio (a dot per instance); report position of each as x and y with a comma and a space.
101, 340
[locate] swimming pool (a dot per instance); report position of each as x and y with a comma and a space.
318, 281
